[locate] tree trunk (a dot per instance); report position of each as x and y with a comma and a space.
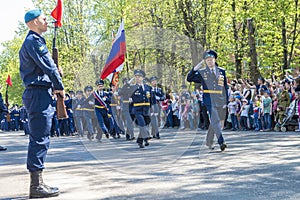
284, 45
254, 72
238, 60
296, 19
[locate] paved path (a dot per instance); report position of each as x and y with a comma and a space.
255, 166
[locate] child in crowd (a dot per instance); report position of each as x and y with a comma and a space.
232, 110
256, 115
244, 112
169, 115
267, 110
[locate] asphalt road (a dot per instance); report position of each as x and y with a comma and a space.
255, 166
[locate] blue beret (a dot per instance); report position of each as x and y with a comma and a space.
32, 14
139, 72
210, 53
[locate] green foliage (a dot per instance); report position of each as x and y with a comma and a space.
84, 41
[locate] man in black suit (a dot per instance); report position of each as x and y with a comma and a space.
215, 95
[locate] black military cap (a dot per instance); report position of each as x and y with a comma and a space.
139, 72
71, 92
99, 82
88, 88
210, 54
153, 78
79, 92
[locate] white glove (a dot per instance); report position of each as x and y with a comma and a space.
199, 65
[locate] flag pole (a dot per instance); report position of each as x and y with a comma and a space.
6, 96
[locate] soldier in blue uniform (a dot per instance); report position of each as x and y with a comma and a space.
141, 99
155, 108
68, 103
88, 111
15, 118
55, 131
115, 111
41, 77
102, 102
24, 120
215, 96
78, 112
3, 109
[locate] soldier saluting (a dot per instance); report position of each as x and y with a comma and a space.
215, 96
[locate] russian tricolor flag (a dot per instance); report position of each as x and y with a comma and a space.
116, 58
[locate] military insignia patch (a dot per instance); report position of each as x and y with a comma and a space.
221, 80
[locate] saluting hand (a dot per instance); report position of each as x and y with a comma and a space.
199, 65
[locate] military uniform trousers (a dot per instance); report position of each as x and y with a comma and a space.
79, 119
37, 102
88, 117
216, 114
127, 120
154, 119
103, 120
117, 118
142, 124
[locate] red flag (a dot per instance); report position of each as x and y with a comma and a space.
8, 81
115, 79
57, 13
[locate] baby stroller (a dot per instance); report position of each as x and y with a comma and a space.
289, 122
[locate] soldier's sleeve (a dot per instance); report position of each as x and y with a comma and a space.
2, 105
194, 76
40, 54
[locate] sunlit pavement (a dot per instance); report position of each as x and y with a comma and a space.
256, 165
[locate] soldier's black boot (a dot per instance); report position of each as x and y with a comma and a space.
38, 189
157, 136
140, 142
127, 137
146, 142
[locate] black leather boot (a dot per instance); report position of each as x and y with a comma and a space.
38, 189
157, 136
146, 142
140, 142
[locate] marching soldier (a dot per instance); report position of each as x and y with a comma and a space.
102, 102
155, 108
125, 94
68, 103
15, 118
78, 112
215, 96
115, 110
88, 111
141, 99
